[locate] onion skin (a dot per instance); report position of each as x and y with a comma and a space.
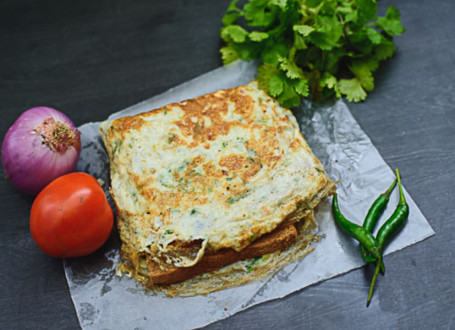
40, 146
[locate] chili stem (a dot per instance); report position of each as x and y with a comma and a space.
389, 191
373, 281
402, 198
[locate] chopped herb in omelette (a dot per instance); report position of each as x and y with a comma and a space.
250, 267
234, 199
117, 146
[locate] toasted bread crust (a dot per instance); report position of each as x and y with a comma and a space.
281, 238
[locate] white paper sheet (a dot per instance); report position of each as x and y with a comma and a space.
102, 300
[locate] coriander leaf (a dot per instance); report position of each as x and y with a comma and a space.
361, 44
301, 88
363, 71
327, 80
365, 77
289, 98
230, 18
330, 82
350, 14
353, 90
332, 60
303, 30
258, 36
235, 33
384, 50
299, 42
327, 32
258, 14
390, 23
233, 7
228, 55
313, 3
285, 18
247, 51
367, 81
276, 85
374, 36
232, 13
366, 10
291, 70
265, 73
364, 65
279, 3
273, 52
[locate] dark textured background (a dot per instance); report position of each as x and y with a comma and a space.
91, 58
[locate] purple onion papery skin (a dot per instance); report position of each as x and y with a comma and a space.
30, 164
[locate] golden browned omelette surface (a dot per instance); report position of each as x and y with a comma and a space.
218, 171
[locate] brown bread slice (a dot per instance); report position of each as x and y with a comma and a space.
281, 238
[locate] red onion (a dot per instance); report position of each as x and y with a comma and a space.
40, 146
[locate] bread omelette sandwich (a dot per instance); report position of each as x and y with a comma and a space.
213, 191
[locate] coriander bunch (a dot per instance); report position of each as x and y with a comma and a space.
322, 48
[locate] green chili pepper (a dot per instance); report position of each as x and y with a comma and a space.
392, 226
375, 211
396, 221
357, 232
377, 208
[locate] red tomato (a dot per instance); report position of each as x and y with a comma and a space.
71, 217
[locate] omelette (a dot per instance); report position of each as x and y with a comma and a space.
208, 175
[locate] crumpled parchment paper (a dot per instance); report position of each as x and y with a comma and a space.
103, 300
